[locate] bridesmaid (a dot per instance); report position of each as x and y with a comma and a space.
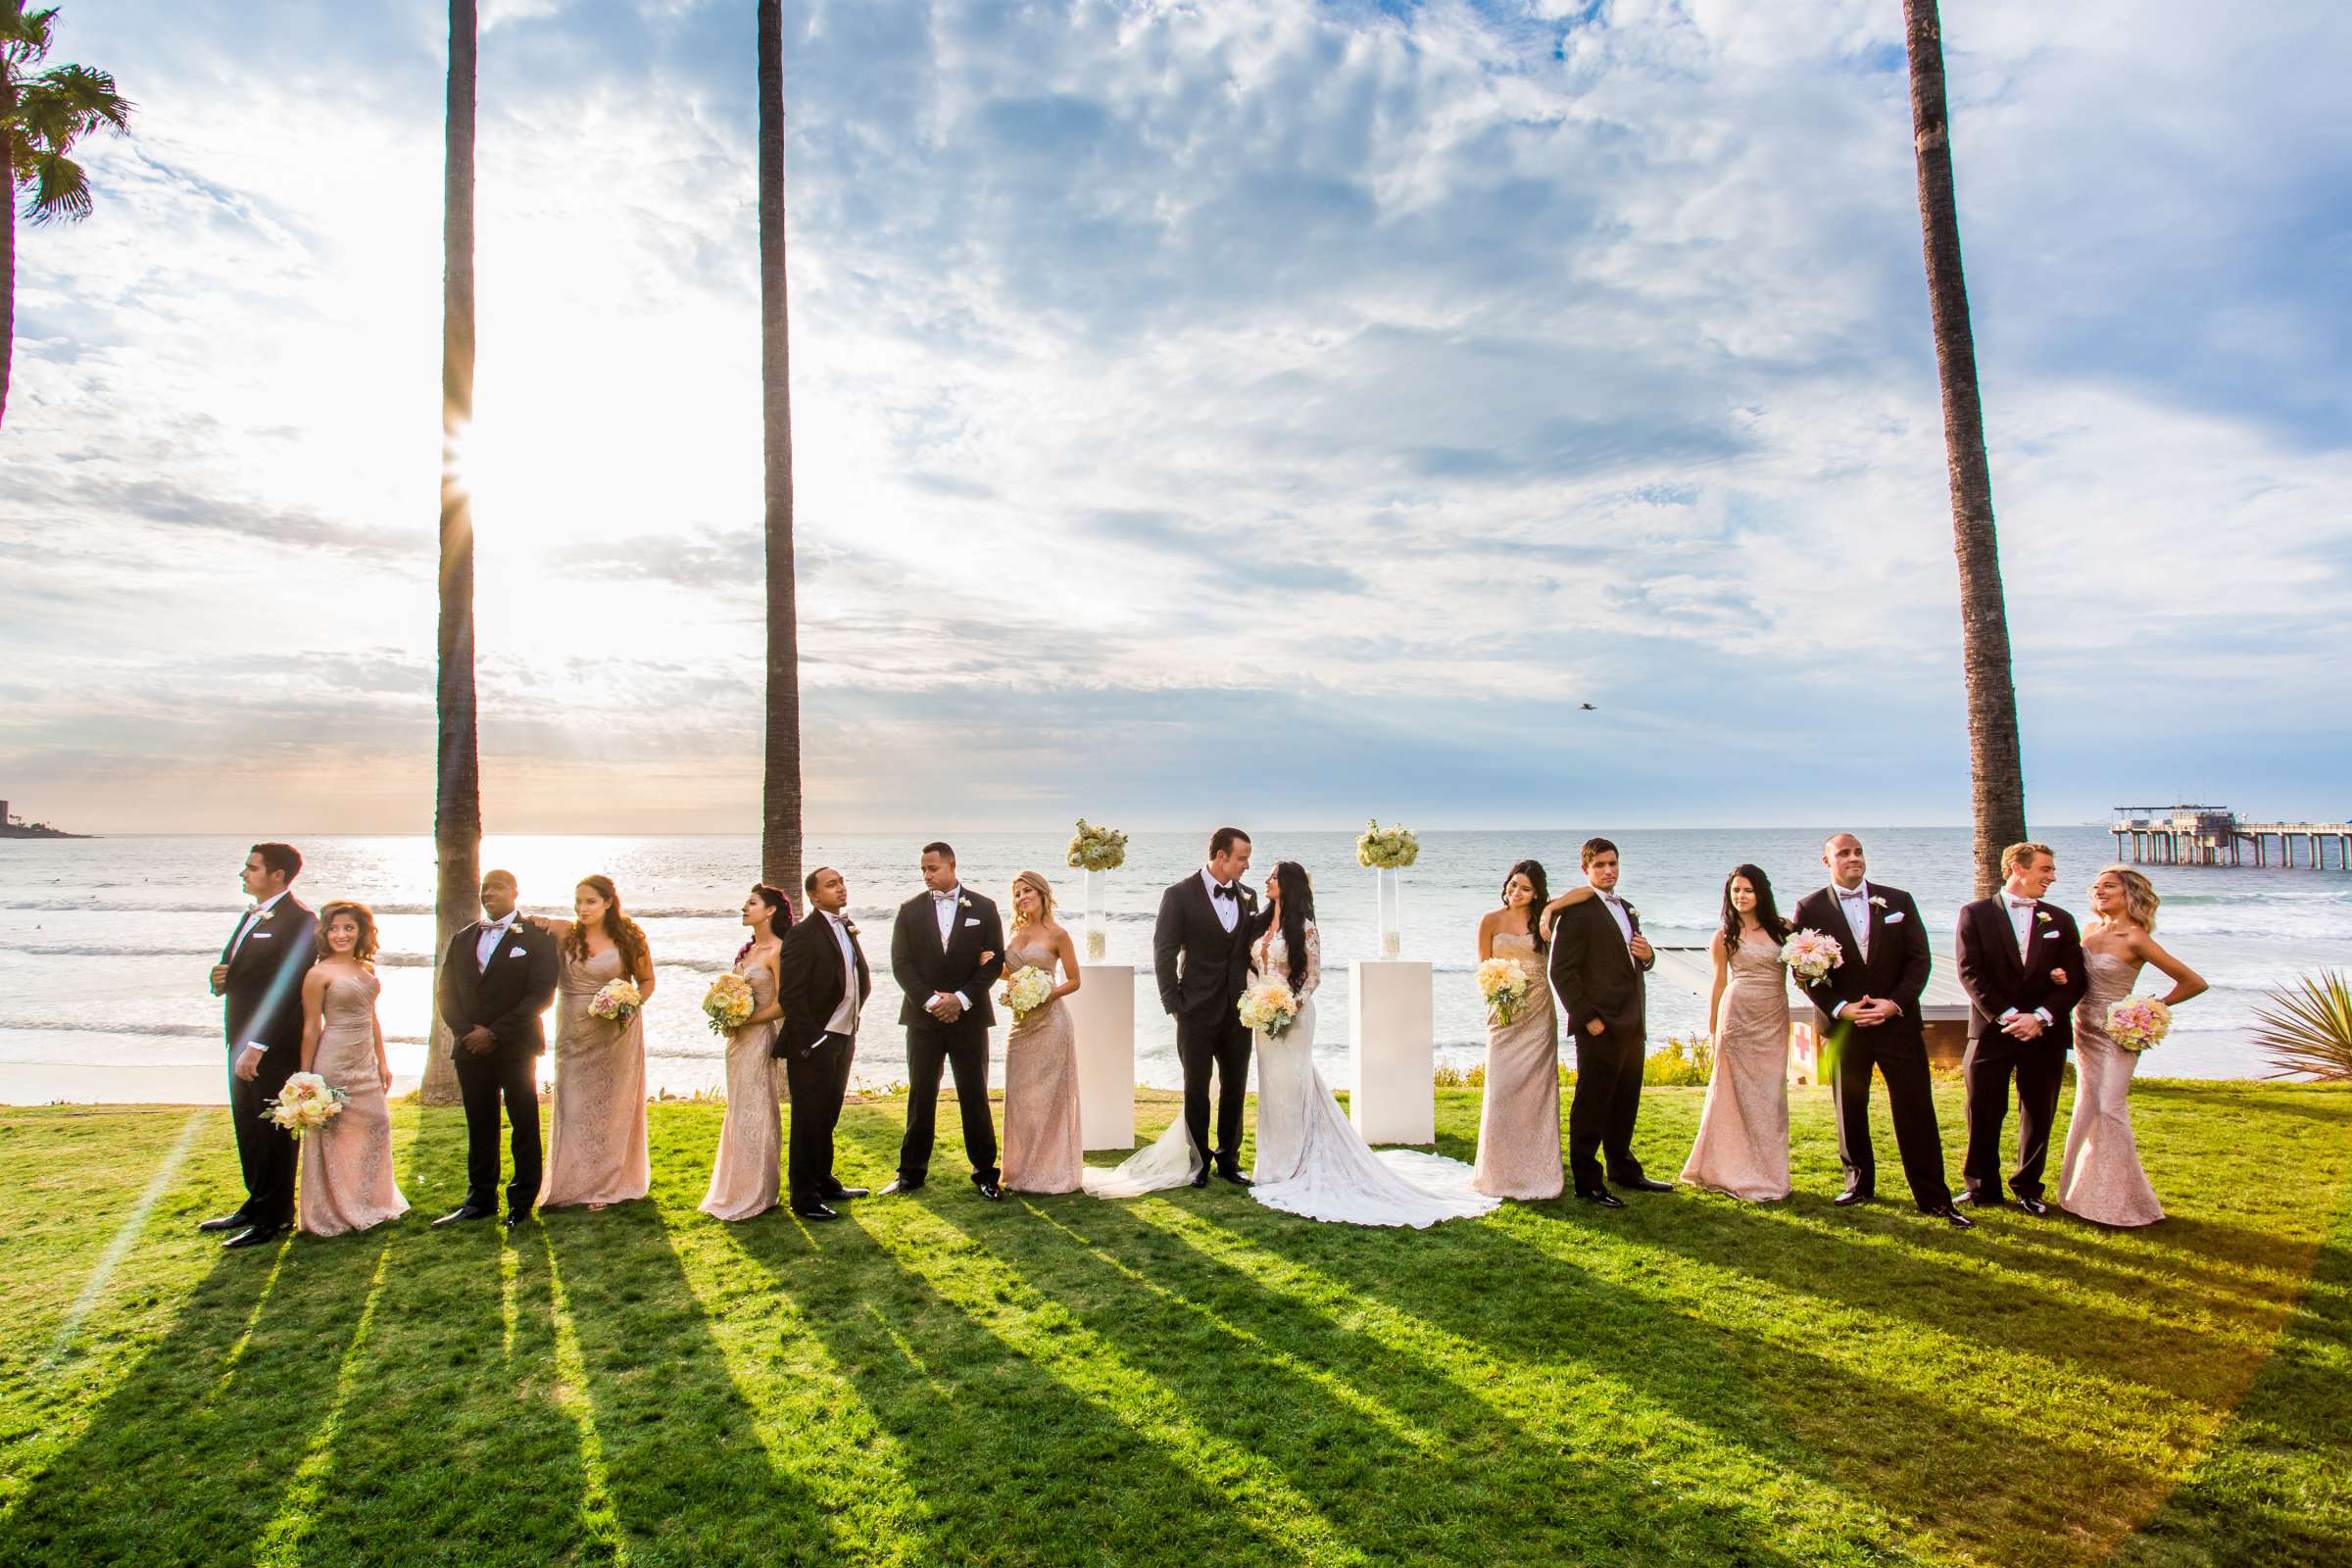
596, 1149
347, 1180
744, 1178
1519, 1115
1044, 1148
1743, 1146
2101, 1180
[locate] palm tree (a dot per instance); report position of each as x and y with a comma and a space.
1996, 773
458, 802
41, 116
780, 805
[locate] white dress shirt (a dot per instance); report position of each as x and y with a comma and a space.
947, 905
253, 917
845, 1017
1616, 907
492, 933
1855, 906
2021, 920
1229, 910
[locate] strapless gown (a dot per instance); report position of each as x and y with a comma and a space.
1742, 1145
596, 1150
347, 1182
1519, 1114
2102, 1180
1044, 1146
745, 1177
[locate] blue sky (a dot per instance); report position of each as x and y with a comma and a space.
1203, 410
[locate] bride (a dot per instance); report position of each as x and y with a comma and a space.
1310, 1160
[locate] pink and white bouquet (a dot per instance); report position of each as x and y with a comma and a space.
1268, 1006
729, 1003
306, 1104
1809, 956
2137, 1022
1026, 989
1503, 982
619, 1001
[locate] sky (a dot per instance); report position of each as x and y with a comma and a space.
1203, 409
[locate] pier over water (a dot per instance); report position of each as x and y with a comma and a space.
2214, 835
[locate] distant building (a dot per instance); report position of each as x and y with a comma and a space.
4, 818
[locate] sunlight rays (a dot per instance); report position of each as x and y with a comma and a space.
281, 1540
600, 1518
133, 1224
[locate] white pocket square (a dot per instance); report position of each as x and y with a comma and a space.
519, 953
1895, 918
259, 936
973, 921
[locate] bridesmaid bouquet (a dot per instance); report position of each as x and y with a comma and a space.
1502, 982
306, 1104
1387, 849
729, 1003
2137, 1022
1096, 849
1809, 956
1269, 1007
618, 1002
1026, 989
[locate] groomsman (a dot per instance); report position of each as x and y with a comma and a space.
1868, 1016
823, 982
2022, 962
1598, 959
946, 949
1200, 957
260, 978
496, 978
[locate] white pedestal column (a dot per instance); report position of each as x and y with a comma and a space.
1393, 1053
1104, 1012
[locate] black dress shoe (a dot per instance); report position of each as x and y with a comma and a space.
1604, 1198
902, 1185
843, 1193
1200, 1177
2032, 1205
990, 1190
1852, 1195
238, 1222
1951, 1216
1234, 1176
258, 1236
520, 1217
814, 1211
1643, 1184
463, 1211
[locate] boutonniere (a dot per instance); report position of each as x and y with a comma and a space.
851, 926
1630, 913
963, 902
1877, 903
2044, 915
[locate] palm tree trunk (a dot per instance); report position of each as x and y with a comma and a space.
457, 804
8, 244
780, 806
1996, 770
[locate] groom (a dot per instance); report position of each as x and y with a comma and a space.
1598, 958
1200, 955
823, 982
946, 949
259, 979
2021, 962
496, 978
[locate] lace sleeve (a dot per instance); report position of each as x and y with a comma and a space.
1314, 962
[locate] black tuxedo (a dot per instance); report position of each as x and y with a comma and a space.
812, 985
1202, 969
1998, 980
1895, 967
508, 996
261, 1005
922, 964
1596, 979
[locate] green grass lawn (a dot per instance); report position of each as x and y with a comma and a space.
1188, 1379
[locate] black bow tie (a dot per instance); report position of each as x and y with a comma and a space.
1224, 892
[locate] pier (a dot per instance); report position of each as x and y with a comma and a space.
2214, 835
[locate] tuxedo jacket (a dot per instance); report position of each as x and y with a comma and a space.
263, 996
1201, 967
508, 996
921, 964
1896, 967
1998, 979
1594, 973
811, 984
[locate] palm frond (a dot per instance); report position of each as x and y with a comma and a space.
88, 93
61, 191
2308, 1030
24, 35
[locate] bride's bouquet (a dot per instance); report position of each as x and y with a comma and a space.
2137, 1022
1387, 849
1502, 982
1268, 1006
729, 1003
1809, 956
617, 1001
306, 1104
1026, 989
1097, 849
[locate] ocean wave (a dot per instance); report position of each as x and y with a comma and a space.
173, 1031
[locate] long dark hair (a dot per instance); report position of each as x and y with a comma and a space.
627, 938
779, 919
1768, 913
1533, 870
1297, 907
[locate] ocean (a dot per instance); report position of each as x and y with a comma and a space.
105, 943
